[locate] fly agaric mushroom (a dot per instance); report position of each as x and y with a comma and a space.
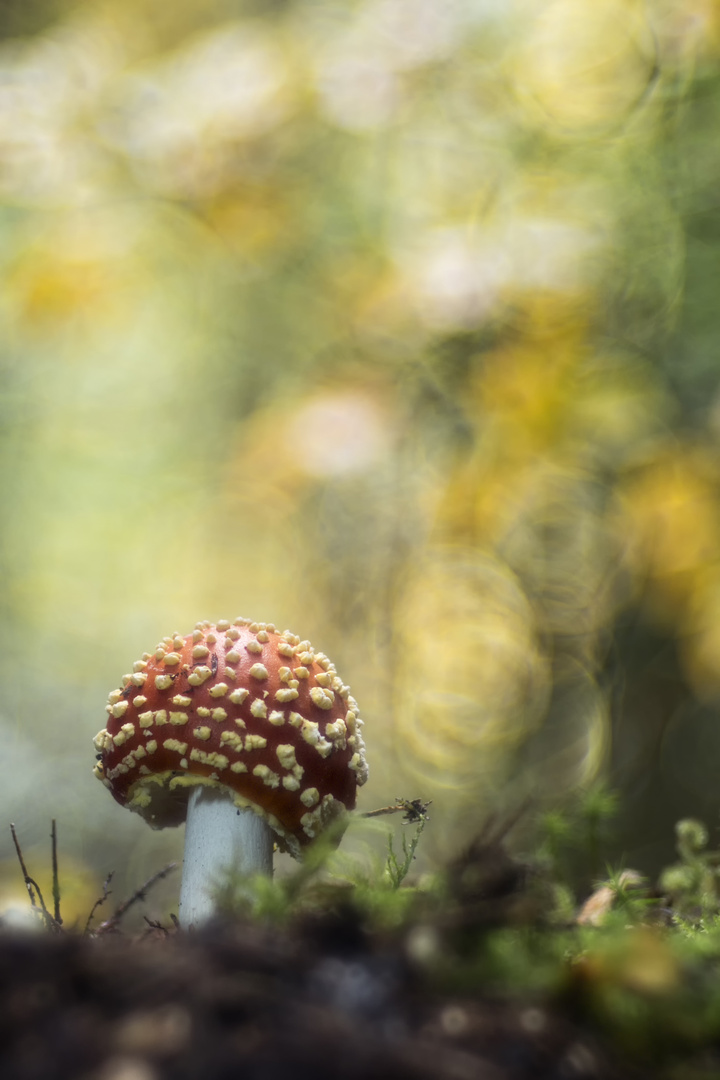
246, 733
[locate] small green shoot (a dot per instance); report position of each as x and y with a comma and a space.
396, 868
572, 839
692, 884
327, 876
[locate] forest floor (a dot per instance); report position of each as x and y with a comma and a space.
244, 1001
478, 987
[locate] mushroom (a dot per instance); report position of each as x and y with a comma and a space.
247, 734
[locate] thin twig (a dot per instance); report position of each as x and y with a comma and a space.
100, 900
381, 810
50, 922
112, 923
31, 883
154, 925
56, 878
415, 810
26, 877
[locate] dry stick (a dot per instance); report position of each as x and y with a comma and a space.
112, 922
100, 900
23, 867
31, 883
56, 878
415, 810
49, 921
154, 925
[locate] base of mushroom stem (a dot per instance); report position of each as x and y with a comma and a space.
221, 841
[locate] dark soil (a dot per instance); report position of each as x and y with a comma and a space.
331, 994
321, 1001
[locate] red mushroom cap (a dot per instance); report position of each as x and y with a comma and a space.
239, 706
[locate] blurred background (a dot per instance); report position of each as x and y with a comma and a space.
395, 323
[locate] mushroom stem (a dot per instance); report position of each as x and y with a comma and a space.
219, 838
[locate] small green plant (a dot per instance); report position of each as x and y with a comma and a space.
326, 877
691, 884
572, 841
630, 904
396, 869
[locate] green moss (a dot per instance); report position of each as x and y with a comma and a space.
636, 964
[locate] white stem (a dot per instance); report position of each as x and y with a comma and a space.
219, 839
